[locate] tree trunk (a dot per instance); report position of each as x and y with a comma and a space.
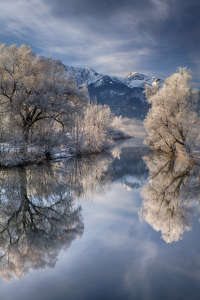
26, 133
25, 140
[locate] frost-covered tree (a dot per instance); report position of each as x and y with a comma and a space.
96, 128
172, 121
43, 111
36, 97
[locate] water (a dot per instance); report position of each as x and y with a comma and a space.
115, 226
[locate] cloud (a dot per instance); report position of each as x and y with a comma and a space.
116, 36
83, 30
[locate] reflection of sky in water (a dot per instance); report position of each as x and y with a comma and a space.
118, 257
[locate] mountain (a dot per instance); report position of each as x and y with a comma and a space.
124, 95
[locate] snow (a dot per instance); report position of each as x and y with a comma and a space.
83, 76
88, 76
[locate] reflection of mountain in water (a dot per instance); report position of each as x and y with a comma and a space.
130, 169
170, 196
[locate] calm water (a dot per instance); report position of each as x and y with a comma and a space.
124, 226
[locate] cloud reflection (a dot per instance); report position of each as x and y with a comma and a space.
38, 215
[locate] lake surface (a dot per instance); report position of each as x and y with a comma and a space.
120, 226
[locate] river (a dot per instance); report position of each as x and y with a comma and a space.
118, 226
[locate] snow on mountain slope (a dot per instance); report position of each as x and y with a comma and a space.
136, 79
83, 76
88, 76
125, 95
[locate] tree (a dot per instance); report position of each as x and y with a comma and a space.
43, 112
172, 122
95, 129
171, 196
35, 94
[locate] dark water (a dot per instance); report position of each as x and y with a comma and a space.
102, 227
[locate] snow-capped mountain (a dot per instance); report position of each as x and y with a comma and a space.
123, 94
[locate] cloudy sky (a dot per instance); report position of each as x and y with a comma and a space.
115, 37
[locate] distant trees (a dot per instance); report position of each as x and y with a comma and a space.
96, 129
41, 109
172, 122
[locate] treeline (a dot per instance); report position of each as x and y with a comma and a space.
44, 114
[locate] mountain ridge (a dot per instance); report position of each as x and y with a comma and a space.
124, 95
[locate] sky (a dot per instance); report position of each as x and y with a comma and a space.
114, 37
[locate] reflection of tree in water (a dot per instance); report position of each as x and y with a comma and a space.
168, 203
38, 216
36, 221
90, 175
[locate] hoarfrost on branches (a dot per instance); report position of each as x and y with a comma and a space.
44, 112
172, 123
95, 131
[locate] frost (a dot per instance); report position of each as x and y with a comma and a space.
172, 123
44, 114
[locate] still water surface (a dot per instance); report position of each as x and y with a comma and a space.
120, 226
